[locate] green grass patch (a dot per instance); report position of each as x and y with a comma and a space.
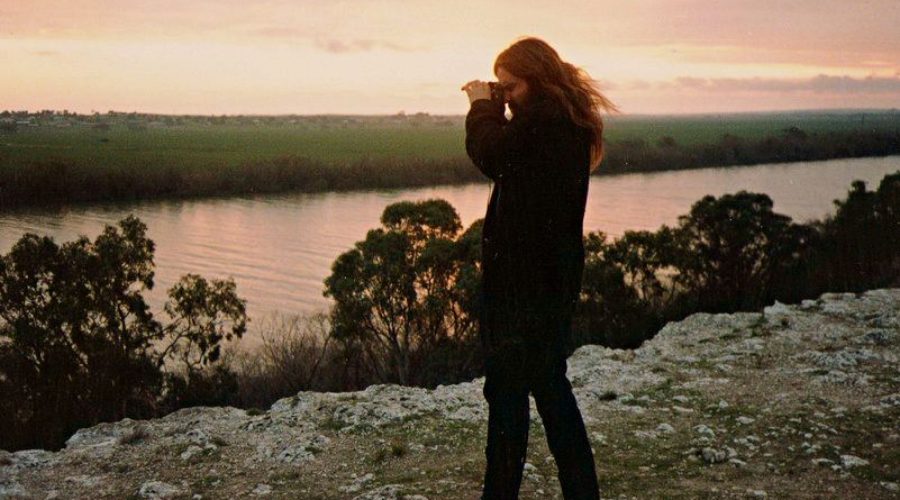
45, 165
332, 424
395, 448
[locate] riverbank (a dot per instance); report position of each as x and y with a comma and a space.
281, 247
792, 402
119, 161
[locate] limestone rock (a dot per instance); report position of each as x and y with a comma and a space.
839, 342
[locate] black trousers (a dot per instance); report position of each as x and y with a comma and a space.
512, 372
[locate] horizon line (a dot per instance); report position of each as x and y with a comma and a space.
416, 113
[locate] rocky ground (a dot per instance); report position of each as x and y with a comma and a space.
795, 402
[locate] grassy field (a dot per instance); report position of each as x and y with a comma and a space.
332, 140
707, 129
118, 157
195, 145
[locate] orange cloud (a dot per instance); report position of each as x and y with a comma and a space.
372, 57
821, 83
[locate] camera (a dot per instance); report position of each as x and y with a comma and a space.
496, 92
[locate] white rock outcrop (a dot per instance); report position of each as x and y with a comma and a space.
839, 340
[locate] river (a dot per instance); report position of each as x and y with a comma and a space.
279, 248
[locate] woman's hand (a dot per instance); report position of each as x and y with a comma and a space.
477, 90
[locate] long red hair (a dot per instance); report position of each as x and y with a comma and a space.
535, 61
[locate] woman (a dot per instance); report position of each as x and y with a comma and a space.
532, 254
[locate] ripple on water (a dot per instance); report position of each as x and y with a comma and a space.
280, 248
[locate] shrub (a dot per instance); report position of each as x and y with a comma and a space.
402, 295
78, 343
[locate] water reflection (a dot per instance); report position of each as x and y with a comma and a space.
279, 248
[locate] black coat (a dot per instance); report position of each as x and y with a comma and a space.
532, 249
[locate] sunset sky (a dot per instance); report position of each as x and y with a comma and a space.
384, 56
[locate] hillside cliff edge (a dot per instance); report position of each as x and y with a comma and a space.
799, 401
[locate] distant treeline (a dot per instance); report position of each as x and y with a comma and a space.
61, 181
12, 120
57, 182
791, 145
79, 345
